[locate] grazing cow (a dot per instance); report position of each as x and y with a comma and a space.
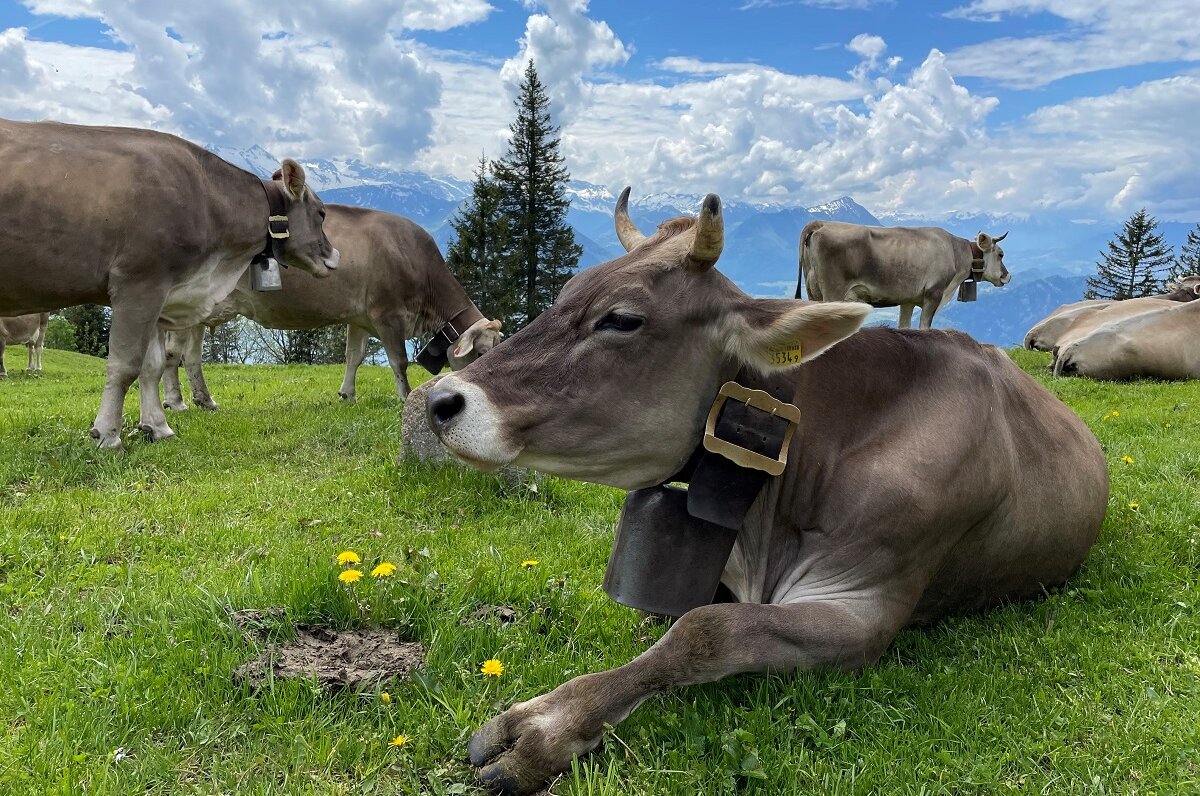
392, 283
927, 475
894, 266
156, 227
1161, 345
27, 330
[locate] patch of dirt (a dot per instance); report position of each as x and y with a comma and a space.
504, 614
334, 658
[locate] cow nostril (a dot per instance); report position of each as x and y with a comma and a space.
443, 406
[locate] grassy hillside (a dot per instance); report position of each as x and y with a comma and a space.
116, 647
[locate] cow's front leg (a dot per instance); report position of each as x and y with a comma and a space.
3, 371
523, 747
153, 421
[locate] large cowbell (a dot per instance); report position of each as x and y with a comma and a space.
966, 291
265, 276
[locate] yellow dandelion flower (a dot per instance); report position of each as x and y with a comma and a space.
529, 563
1167, 425
385, 698
385, 570
398, 741
1133, 506
1115, 413
1127, 459
492, 668
349, 575
348, 557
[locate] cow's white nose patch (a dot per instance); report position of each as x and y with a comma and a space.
476, 433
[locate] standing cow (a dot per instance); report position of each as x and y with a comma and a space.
156, 227
927, 476
27, 330
392, 283
903, 267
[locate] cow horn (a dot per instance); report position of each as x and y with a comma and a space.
627, 231
1002, 237
710, 233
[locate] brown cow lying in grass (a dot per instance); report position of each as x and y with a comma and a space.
928, 475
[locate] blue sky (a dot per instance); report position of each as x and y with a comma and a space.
1081, 108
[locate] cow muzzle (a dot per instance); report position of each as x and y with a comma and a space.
467, 423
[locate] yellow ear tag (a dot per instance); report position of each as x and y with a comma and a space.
782, 357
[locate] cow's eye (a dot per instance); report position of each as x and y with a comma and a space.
322, 212
618, 322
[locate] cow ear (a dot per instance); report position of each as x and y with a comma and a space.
769, 334
292, 174
983, 241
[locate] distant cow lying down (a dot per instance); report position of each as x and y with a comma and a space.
1051, 330
1162, 345
927, 476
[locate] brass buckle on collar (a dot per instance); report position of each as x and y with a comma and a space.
278, 226
756, 399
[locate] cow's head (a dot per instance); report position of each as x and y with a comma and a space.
612, 383
306, 247
1186, 288
481, 337
993, 259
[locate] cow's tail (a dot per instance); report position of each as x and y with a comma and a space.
805, 253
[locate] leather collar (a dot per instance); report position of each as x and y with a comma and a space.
725, 479
433, 356
277, 221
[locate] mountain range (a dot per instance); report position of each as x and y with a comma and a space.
1049, 255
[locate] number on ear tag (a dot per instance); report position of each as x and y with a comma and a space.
786, 356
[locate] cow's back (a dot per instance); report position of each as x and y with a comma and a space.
80, 201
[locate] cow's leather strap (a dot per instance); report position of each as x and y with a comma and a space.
720, 490
433, 356
976, 262
277, 221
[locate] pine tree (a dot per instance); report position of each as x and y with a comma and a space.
1135, 262
541, 252
1188, 263
475, 256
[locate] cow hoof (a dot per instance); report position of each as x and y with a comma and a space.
522, 749
156, 434
347, 397
175, 407
207, 404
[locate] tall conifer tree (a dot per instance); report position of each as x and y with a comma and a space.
541, 253
1135, 263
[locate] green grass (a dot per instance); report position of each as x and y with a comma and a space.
116, 573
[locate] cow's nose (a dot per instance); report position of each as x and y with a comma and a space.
442, 406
